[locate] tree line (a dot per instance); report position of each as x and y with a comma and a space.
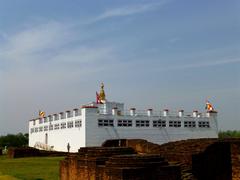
229, 134
21, 140
14, 140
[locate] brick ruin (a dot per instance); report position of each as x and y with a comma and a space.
116, 163
136, 159
31, 152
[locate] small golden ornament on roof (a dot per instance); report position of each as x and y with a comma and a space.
102, 96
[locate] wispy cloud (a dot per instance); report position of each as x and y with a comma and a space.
174, 40
205, 64
130, 10
27, 44
53, 44
84, 54
48, 61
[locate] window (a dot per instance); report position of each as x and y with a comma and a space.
56, 126
56, 117
174, 123
105, 122
70, 124
76, 112
34, 122
78, 123
36, 129
45, 119
50, 127
203, 124
32, 130
68, 114
125, 123
50, 118
189, 124
159, 123
142, 123
40, 129
63, 125
62, 115
45, 128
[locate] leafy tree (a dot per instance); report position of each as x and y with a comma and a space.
229, 134
14, 140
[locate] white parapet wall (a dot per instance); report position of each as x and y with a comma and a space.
94, 123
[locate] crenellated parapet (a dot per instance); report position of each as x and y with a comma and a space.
93, 123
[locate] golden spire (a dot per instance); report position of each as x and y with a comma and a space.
102, 97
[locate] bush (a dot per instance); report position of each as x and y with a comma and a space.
229, 134
11, 140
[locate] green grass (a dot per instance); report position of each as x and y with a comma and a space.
34, 168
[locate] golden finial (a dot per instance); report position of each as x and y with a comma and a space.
102, 97
102, 86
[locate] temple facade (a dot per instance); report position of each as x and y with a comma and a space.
96, 122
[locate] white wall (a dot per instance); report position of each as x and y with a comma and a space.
89, 134
61, 137
97, 135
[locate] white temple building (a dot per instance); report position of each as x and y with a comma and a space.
94, 123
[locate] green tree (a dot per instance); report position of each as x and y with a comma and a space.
229, 134
14, 140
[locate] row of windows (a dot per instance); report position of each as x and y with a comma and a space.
203, 124
105, 122
124, 123
159, 123
56, 117
174, 123
190, 124
70, 124
142, 123
146, 123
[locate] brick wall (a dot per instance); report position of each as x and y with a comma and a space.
214, 163
22, 152
31, 152
235, 158
188, 159
181, 152
116, 163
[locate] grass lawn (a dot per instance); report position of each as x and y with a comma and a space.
34, 168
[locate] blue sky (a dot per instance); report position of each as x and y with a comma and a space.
159, 54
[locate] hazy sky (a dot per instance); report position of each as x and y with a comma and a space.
149, 53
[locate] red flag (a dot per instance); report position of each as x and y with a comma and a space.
209, 106
97, 98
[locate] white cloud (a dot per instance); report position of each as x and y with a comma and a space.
130, 10
84, 54
29, 43
205, 64
52, 45
174, 40
48, 66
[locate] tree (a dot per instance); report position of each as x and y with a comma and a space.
11, 140
229, 134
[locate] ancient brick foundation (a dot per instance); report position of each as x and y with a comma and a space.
31, 152
22, 152
235, 158
213, 163
137, 159
106, 163
181, 153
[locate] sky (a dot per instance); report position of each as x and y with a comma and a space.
149, 54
